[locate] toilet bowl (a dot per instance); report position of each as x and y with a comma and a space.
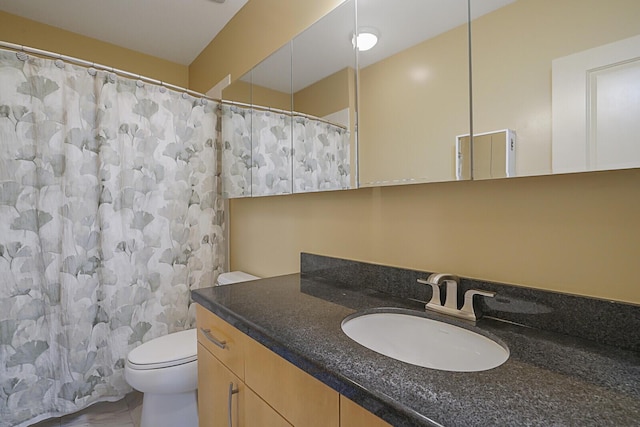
165, 369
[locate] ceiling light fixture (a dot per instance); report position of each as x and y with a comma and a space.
367, 38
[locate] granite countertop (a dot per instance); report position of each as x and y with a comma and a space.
549, 379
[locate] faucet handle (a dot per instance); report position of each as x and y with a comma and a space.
435, 295
467, 308
439, 278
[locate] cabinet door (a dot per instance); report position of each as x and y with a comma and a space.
258, 414
301, 399
214, 398
353, 415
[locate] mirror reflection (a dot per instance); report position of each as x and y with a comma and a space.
324, 103
257, 129
556, 89
299, 104
564, 75
414, 90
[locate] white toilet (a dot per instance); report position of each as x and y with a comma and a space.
165, 369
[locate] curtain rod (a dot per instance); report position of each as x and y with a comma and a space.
89, 64
279, 111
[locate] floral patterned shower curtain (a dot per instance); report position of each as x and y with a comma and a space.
109, 214
271, 172
261, 157
321, 156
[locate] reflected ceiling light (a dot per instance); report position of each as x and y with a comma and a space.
419, 74
366, 39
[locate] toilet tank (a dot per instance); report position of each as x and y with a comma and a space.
234, 277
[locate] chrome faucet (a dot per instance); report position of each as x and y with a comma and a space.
450, 306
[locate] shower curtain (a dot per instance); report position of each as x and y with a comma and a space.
109, 214
266, 153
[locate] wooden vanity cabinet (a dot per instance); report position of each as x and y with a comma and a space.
213, 396
224, 399
352, 414
266, 390
296, 395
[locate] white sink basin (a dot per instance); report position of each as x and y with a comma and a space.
425, 342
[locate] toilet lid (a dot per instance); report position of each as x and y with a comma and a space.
235, 277
169, 350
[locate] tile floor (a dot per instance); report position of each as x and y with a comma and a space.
123, 413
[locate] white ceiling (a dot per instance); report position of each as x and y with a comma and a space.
176, 30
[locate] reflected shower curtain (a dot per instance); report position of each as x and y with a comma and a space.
321, 156
109, 213
271, 172
266, 153
236, 152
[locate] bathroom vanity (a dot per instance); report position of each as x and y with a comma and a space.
243, 383
287, 361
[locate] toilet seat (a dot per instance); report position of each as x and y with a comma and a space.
169, 350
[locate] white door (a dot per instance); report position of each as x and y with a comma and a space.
596, 108
614, 116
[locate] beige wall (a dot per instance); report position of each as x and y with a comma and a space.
574, 233
258, 29
247, 93
326, 96
570, 233
14, 29
412, 107
238, 91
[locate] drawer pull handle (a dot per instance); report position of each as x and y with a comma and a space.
210, 337
232, 391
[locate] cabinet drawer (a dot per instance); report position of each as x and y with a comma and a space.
223, 340
301, 399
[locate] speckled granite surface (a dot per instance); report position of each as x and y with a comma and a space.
549, 379
606, 322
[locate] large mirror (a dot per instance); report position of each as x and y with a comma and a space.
414, 90
289, 124
563, 77
257, 130
555, 88
324, 103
